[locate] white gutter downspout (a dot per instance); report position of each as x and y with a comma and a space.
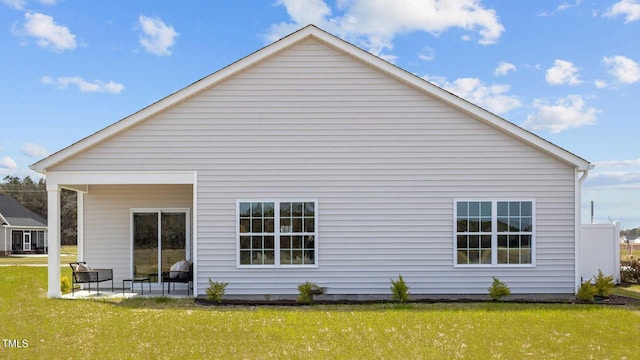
578, 220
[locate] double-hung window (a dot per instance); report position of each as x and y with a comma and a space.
277, 233
494, 232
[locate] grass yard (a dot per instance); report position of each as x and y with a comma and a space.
163, 328
68, 253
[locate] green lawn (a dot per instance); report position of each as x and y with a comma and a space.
182, 329
68, 253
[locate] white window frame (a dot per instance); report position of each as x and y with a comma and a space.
494, 234
277, 233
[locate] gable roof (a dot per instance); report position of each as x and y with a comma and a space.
14, 214
349, 49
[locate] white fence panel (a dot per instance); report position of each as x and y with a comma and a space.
600, 249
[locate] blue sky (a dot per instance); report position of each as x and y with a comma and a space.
567, 70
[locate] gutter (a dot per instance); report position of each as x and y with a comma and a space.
578, 223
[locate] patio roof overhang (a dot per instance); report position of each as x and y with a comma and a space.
81, 182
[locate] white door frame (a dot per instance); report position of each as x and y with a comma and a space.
26, 244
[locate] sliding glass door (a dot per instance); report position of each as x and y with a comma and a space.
160, 239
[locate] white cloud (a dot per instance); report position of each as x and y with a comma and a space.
158, 38
83, 85
49, 35
562, 7
373, 24
563, 72
16, 4
615, 163
601, 84
427, 54
48, 2
504, 68
34, 150
623, 69
491, 97
566, 113
8, 163
629, 8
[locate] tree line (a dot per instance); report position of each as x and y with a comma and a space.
33, 195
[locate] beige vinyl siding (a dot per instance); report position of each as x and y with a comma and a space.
385, 162
107, 218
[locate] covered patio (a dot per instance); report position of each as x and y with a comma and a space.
135, 223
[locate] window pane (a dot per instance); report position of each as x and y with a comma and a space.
296, 209
268, 225
245, 242
526, 207
245, 257
474, 209
525, 256
485, 257
474, 242
474, 256
309, 242
503, 256
461, 225
502, 241
525, 241
462, 241
269, 257
297, 224
503, 224
309, 257
486, 242
309, 225
268, 242
269, 210
285, 209
256, 209
526, 224
285, 257
285, 242
462, 257
296, 242
486, 208
285, 225
245, 225
474, 225
486, 225
309, 209
296, 257
245, 210
256, 226
463, 209
256, 242
503, 208
514, 209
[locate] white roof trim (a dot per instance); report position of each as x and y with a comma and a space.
309, 31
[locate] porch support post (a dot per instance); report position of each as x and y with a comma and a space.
80, 224
53, 197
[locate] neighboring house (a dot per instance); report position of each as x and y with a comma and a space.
21, 230
314, 160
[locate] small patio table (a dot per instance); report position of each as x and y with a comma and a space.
134, 280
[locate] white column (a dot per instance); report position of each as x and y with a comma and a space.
80, 224
53, 198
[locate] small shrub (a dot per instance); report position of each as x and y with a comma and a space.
399, 290
65, 284
305, 292
603, 284
216, 290
586, 292
631, 273
498, 289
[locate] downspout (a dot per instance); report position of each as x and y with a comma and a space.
578, 223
